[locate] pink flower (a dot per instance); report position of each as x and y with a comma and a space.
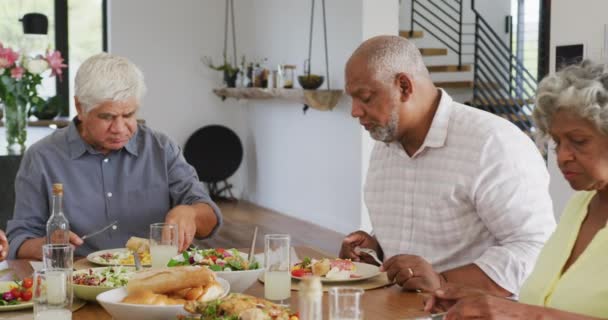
17, 72
7, 57
55, 63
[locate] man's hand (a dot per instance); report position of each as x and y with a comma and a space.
412, 272
184, 217
359, 239
447, 296
3, 246
32, 248
75, 239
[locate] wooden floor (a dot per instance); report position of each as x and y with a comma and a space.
241, 217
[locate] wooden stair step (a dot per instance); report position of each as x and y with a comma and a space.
449, 68
433, 51
516, 117
502, 101
454, 84
416, 34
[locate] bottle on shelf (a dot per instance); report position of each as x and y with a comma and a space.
310, 299
57, 227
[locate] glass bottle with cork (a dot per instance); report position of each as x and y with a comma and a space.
57, 227
289, 71
310, 299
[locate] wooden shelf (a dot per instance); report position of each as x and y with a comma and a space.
316, 99
44, 123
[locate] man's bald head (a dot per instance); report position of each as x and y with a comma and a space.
386, 56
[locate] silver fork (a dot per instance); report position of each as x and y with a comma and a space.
94, 233
370, 252
136, 260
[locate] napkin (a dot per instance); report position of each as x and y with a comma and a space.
37, 265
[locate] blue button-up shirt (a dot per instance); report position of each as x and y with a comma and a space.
136, 185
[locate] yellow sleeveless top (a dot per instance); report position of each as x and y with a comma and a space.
583, 288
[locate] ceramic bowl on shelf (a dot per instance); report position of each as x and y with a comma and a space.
311, 81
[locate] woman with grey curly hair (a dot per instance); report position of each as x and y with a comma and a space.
568, 281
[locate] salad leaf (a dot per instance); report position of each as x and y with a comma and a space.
215, 267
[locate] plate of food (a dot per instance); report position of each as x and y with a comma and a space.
334, 270
161, 293
239, 306
123, 256
89, 283
16, 295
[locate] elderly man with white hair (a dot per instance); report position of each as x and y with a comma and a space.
112, 168
454, 194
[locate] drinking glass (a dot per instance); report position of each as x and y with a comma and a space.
277, 280
163, 243
52, 294
58, 256
345, 303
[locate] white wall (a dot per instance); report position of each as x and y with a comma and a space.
307, 165
575, 22
167, 41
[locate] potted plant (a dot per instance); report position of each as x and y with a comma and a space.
230, 71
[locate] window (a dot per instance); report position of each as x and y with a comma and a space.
76, 28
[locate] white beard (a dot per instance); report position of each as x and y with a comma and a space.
387, 133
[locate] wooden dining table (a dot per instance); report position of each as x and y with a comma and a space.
390, 302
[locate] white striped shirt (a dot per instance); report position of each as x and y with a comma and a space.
475, 192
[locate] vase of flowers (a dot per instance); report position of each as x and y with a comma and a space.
19, 77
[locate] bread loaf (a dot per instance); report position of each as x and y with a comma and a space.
139, 245
173, 286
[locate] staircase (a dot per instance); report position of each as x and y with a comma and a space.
482, 71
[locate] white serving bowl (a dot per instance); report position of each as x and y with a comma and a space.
240, 280
111, 301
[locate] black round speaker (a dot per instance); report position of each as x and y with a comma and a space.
215, 152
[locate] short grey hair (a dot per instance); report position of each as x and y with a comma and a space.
389, 55
581, 89
106, 77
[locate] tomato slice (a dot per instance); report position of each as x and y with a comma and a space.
27, 283
26, 295
299, 273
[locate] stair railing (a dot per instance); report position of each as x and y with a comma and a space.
443, 20
502, 84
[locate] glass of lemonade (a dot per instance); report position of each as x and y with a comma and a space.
52, 294
277, 279
163, 243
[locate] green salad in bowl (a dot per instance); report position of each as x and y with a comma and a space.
229, 264
88, 283
216, 259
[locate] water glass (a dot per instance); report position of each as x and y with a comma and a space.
345, 303
58, 256
164, 243
52, 294
277, 279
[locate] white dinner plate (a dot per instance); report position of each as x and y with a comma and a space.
362, 271
94, 257
4, 287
